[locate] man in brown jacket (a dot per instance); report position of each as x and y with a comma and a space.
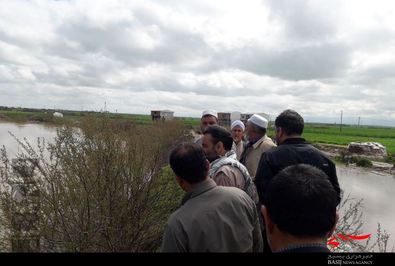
212, 218
217, 144
258, 143
225, 170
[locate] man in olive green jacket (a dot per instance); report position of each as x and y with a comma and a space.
212, 218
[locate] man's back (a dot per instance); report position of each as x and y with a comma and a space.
229, 176
214, 219
293, 151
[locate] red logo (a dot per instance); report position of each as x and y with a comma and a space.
334, 243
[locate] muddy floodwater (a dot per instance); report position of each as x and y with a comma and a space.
29, 131
377, 190
378, 193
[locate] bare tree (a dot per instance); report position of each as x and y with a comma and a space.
350, 225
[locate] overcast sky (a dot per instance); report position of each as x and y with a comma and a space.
317, 57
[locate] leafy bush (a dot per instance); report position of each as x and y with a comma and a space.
363, 162
102, 187
390, 159
359, 161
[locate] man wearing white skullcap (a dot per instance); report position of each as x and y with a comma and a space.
209, 117
237, 129
258, 143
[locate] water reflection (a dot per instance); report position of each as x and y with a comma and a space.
29, 131
378, 193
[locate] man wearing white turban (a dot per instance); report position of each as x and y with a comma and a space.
258, 143
237, 129
209, 118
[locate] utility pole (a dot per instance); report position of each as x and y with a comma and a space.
359, 121
341, 120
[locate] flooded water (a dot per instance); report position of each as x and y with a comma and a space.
378, 191
29, 131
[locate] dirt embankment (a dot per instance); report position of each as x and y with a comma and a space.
378, 164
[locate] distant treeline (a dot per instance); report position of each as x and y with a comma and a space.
43, 110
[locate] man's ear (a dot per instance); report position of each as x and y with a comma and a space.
269, 225
219, 146
182, 183
280, 131
179, 180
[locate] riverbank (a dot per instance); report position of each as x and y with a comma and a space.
379, 164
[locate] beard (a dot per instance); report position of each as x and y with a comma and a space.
246, 137
212, 157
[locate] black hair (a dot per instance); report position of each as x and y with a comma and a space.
189, 162
290, 121
301, 201
219, 133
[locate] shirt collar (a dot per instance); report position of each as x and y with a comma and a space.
309, 245
198, 189
294, 141
259, 141
241, 143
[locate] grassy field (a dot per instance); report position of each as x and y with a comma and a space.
73, 116
330, 134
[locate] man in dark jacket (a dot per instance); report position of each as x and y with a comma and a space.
292, 149
300, 210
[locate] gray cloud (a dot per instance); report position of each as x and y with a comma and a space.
311, 62
304, 21
261, 56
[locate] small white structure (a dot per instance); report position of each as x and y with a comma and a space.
57, 114
164, 115
224, 119
234, 116
245, 117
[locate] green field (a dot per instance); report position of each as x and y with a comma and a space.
331, 134
20, 116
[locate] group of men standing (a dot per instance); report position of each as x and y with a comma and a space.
248, 193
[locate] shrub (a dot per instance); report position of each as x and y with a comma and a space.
390, 159
363, 162
102, 187
359, 161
